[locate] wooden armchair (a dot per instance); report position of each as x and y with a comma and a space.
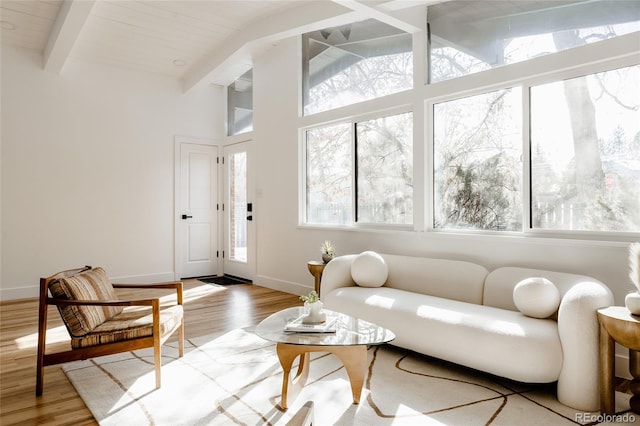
98, 322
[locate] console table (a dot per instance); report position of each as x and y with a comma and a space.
618, 325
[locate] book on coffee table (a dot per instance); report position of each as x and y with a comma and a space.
328, 326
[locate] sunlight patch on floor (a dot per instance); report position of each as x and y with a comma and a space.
54, 335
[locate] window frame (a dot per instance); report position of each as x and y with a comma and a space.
352, 122
609, 54
525, 84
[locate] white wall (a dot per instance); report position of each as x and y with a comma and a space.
87, 168
284, 247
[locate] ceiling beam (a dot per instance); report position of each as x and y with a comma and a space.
379, 15
234, 58
64, 34
223, 65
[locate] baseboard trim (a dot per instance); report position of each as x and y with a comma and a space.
281, 285
19, 293
144, 279
622, 364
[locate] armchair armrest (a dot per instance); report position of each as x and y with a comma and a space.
137, 302
172, 284
177, 285
578, 329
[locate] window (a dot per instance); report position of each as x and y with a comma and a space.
329, 175
550, 149
385, 170
240, 105
585, 153
477, 162
353, 63
467, 37
382, 169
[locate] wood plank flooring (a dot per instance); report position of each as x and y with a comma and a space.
208, 309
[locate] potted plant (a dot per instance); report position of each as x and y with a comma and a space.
632, 300
313, 303
328, 251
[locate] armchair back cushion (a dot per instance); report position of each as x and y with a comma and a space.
92, 284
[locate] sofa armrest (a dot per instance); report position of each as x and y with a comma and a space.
578, 328
337, 274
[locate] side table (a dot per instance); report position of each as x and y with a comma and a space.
618, 325
316, 268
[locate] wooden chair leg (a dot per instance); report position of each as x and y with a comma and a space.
42, 337
181, 339
157, 356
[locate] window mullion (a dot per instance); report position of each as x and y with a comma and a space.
354, 144
527, 220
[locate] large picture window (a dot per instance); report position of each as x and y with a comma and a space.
585, 153
329, 184
385, 170
477, 162
353, 63
379, 178
551, 149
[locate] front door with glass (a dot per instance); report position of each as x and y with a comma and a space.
239, 212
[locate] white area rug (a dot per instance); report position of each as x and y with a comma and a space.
235, 378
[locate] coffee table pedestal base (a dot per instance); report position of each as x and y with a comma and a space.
354, 359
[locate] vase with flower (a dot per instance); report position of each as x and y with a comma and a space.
314, 306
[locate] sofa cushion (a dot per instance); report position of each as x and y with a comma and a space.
536, 297
132, 323
92, 284
369, 270
498, 287
451, 279
501, 342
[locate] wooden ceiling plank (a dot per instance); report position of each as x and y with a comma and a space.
71, 18
141, 17
40, 9
215, 66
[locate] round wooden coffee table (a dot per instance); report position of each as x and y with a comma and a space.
349, 343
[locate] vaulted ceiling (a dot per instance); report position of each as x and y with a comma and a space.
199, 42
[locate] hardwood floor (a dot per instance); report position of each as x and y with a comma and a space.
208, 309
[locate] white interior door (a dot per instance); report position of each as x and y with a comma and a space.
239, 212
196, 213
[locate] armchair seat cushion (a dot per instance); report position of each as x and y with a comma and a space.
92, 284
130, 324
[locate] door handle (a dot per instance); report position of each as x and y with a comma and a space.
250, 217
185, 217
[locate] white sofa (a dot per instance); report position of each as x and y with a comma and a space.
460, 312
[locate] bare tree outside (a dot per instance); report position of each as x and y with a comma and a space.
585, 136
585, 167
329, 183
385, 170
477, 162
